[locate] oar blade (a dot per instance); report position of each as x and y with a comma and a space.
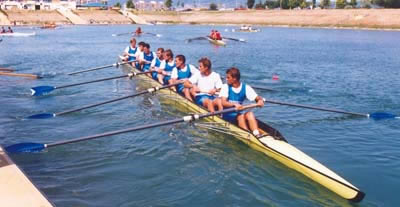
41, 90
382, 115
25, 147
41, 116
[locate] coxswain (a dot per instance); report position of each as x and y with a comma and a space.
181, 73
164, 73
156, 63
130, 52
204, 86
233, 94
146, 58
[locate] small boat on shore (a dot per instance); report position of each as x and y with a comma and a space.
18, 34
271, 143
216, 42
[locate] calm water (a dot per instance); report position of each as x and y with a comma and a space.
184, 166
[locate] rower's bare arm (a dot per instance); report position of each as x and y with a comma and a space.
188, 84
260, 101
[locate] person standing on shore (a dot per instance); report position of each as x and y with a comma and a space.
233, 94
204, 85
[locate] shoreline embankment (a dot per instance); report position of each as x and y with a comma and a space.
385, 19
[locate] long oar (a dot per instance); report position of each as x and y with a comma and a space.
48, 115
36, 147
125, 33
234, 39
157, 35
101, 67
7, 70
196, 38
20, 75
41, 90
375, 116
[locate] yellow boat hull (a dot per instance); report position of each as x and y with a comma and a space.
273, 145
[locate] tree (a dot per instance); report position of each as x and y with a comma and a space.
292, 4
353, 3
314, 3
168, 3
129, 4
303, 4
340, 4
387, 3
326, 4
250, 3
213, 6
260, 5
117, 5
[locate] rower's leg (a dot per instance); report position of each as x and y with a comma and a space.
208, 104
249, 116
187, 94
242, 121
160, 78
218, 103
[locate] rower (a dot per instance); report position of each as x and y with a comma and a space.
130, 51
204, 85
182, 72
164, 73
146, 58
139, 53
156, 63
217, 35
233, 94
138, 31
10, 30
3, 30
212, 34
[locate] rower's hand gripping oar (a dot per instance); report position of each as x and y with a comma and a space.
36, 147
375, 116
41, 90
149, 90
102, 67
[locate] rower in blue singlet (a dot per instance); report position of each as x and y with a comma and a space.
164, 74
139, 53
146, 58
130, 51
181, 73
156, 63
233, 94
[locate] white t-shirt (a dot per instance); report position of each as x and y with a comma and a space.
206, 83
251, 95
193, 70
153, 63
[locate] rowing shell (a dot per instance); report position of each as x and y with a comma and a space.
273, 144
246, 30
216, 42
18, 34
